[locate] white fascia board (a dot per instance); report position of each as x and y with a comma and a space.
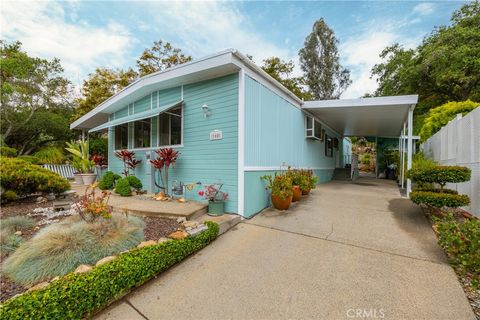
205, 63
363, 102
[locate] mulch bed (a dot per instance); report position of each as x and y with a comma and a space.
22, 208
465, 279
156, 227
9, 288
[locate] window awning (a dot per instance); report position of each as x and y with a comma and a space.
137, 116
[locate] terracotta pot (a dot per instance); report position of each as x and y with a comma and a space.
281, 204
297, 194
306, 191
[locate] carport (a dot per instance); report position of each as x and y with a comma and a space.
381, 117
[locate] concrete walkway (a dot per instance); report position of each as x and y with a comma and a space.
348, 251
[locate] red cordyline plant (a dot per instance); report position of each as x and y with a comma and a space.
129, 161
166, 158
99, 160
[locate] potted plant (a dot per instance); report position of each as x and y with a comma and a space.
282, 190
79, 150
310, 181
216, 198
77, 166
300, 182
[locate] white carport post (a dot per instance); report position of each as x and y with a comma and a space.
409, 147
402, 155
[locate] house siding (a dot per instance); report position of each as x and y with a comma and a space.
200, 160
275, 137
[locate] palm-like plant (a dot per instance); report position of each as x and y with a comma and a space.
79, 150
166, 158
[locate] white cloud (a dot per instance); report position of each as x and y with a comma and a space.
207, 27
424, 8
43, 29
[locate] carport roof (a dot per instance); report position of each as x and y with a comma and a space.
375, 117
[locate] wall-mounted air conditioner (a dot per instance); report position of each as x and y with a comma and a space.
313, 128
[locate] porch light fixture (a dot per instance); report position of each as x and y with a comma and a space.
205, 111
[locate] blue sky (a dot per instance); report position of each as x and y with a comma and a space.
89, 34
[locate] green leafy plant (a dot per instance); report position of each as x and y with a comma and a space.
299, 178
8, 196
134, 182
129, 161
107, 182
461, 241
50, 155
91, 207
123, 188
78, 296
81, 158
25, 178
439, 199
8, 152
61, 247
281, 184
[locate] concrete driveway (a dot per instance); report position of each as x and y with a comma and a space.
348, 251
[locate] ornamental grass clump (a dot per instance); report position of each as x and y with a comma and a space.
61, 247
439, 175
16, 223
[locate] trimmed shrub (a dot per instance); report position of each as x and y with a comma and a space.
25, 178
78, 296
9, 196
461, 241
8, 152
450, 191
107, 182
29, 159
439, 199
61, 247
51, 155
122, 187
16, 223
440, 174
134, 182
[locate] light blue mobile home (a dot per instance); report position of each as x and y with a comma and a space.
230, 121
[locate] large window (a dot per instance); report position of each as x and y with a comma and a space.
141, 133
121, 137
170, 127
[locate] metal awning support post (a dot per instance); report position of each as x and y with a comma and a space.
409, 147
402, 156
83, 135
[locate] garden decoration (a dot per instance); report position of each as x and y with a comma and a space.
129, 161
441, 175
281, 187
166, 157
215, 197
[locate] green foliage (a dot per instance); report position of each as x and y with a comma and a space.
280, 184
108, 180
449, 191
81, 157
440, 116
443, 68
320, 62
422, 162
9, 242
99, 146
25, 178
439, 199
461, 241
16, 223
134, 182
161, 56
78, 296
366, 158
8, 196
123, 188
61, 247
440, 174
29, 159
8, 152
50, 155
299, 179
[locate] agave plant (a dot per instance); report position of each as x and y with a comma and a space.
129, 161
166, 158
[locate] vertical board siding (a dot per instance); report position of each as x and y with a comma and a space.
275, 136
200, 160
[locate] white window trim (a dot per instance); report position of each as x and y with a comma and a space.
133, 136
114, 137
170, 128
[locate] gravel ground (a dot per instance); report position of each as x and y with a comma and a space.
22, 208
156, 228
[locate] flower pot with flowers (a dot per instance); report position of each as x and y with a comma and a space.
216, 198
300, 182
281, 186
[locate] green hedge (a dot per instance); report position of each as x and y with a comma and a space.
440, 174
8, 152
134, 182
439, 200
77, 296
26, 178
449, 191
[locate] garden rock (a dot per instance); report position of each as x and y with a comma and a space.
18, 233
178, 235
190, 224
41, 199
55, 279
197, 230
83, 268
181, 219
39, 286
162, 240
148, 243
105, 260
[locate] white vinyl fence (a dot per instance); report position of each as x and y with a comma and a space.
458, 143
